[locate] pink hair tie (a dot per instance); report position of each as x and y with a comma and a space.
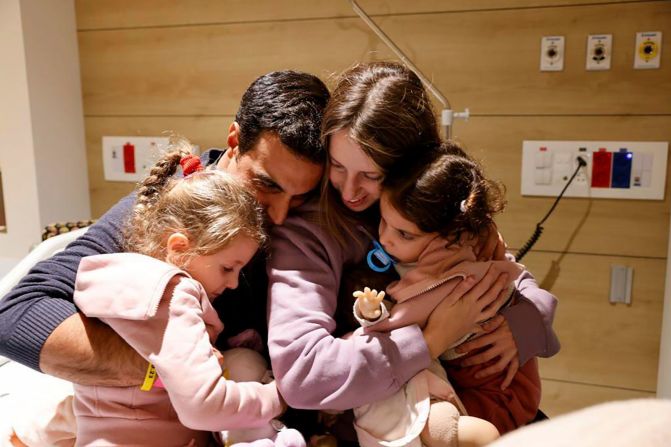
190, 164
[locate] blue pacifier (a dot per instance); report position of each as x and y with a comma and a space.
378, 253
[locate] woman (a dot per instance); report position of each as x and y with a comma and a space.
378, 120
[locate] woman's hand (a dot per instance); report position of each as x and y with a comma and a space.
499, 342
461, 311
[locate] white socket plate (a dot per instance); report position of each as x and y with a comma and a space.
552, 53
599, 52
648, 51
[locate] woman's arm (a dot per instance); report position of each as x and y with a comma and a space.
530, 320
313, 369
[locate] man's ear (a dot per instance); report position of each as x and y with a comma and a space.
234, 137
177, 246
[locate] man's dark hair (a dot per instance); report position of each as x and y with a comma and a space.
287, 103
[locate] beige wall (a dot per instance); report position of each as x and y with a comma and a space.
42, 155
153, 65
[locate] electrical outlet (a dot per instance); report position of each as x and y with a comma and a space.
552, 53
648, 51
599, 49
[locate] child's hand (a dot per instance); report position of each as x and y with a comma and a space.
368, 302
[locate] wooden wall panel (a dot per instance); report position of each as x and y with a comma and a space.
102, 14
167, 71
206, 132
562, 397
205, 70
619, 227
614, 345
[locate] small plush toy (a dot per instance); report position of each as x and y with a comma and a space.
368, 303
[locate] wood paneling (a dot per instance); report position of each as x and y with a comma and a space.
614, 345
97, 14
618, 227
562, 397
486, 60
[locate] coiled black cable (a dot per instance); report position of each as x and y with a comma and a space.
539, 226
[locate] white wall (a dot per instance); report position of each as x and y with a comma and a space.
42, 151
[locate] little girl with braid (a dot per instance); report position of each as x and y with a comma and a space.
186, 241
431, 220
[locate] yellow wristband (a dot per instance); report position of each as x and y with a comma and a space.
149, 378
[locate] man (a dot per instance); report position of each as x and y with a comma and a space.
274, 144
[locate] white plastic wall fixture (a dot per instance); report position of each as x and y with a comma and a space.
599, 52
648, 51
552, 53
547, 166
128, 159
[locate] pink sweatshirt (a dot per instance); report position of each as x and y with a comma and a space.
313, 369
166, 317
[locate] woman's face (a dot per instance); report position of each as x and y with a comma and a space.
352, 173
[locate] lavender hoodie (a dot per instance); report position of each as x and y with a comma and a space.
315, 370
168, 319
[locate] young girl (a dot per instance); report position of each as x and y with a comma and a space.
186, 241
431, 220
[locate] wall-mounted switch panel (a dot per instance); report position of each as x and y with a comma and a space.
128, 159
648, 52
599, 49
615, 169
552, 53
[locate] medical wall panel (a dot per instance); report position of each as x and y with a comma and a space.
618, 227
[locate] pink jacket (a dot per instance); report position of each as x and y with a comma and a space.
425, 285
166, 317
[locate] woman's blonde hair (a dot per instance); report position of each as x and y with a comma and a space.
386, 110
210, 207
